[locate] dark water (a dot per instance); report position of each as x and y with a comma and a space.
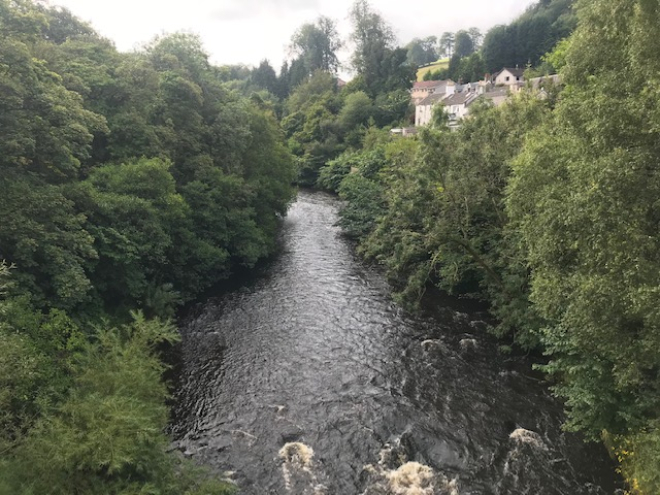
310, 380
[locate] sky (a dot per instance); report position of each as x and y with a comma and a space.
248, 31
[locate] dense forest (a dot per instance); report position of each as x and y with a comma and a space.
132, 182
127, 182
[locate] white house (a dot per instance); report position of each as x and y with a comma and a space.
508, 77
457, 104
424, 109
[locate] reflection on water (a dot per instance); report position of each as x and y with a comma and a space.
311, 381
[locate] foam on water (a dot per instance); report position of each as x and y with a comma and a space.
298, 463
409, 478
523, 436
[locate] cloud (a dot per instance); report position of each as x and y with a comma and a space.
236, 10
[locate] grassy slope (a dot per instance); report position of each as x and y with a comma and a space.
440, 64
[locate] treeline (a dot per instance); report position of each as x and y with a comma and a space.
322, 119
535, 33
548, 209
462, 43
522, 43
126, 181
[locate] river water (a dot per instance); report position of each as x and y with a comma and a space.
310, 380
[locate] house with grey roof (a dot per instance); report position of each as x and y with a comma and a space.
424, 109
457, 105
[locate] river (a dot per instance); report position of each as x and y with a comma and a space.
309, 380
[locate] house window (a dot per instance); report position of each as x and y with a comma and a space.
507, 78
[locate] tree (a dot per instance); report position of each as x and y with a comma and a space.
371, 35
63, 25
422, 51
380, 66
46, 129
105, 435
125, 180
530, 36
464, 44
447, 44
317, 45
182, 52
297, 74
497, 49
357, 110
264, 77
584, 197
476, 36
466, 69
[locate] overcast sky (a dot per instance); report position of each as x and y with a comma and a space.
247, 31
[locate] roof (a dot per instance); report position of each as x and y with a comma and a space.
463, 98
432, 99
496, 93
537, 81
426, 84
430, 84
497, 96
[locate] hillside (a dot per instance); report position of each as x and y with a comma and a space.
440, 64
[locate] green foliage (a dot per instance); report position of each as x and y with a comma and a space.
332, 174
584, 197
357, 110
422, 51
126, 235
46, 130
312, 125
264, 77
364, 204
556, 59
317, 45
105, 436
585, 181
446, 44
42, 233
528, 38
132, 212
35, 365
639, 455
445, 220
126, 180
463, 44
545, 208
380, 65
319, 86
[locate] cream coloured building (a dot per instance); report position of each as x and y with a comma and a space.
422, 89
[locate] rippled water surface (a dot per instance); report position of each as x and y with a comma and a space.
309, 380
